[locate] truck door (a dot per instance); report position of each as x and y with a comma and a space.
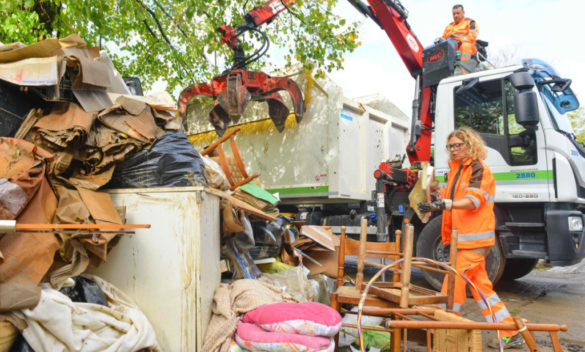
516, 156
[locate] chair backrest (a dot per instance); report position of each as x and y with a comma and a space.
233, 167
348, 246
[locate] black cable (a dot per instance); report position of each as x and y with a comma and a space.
240, 64
150, 30
168, 42
262, 51
292, 13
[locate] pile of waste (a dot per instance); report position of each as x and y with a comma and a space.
72, 127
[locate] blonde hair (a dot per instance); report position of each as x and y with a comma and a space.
475, 145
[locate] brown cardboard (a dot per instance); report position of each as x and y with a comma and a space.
89, 53
93, 73
327, 259
64, 116
33, 72
92, 100
41, 49
28, 256
159, 100
100, 206
72, 40
320, 235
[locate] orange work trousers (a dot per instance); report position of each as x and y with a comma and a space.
472, 265
467, 51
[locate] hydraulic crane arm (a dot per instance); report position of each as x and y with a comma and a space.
236, 87
391, 16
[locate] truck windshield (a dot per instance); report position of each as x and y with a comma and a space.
560, 120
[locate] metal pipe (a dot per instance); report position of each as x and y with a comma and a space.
382, 222
471, 326
7, 226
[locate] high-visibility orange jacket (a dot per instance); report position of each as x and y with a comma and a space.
465, 31
471, 179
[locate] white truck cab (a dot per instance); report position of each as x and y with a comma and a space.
539, 166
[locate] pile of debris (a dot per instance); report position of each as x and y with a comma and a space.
70, 127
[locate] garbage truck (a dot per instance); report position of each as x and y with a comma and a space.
341, 162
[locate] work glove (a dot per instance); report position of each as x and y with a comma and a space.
435, 205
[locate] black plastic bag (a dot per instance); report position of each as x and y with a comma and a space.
171, 162
269, 238
85, 291
20, 345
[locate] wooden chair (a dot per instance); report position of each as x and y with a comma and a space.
232, 166
398, 293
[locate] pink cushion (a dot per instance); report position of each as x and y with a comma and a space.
254, 338
310, 318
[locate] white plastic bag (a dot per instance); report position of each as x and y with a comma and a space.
214, 174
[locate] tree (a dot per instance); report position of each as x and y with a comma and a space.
577, 118
176, 40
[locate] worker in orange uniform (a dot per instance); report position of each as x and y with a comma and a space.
467, 201
464, 30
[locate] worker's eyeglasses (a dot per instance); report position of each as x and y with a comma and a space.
455, 146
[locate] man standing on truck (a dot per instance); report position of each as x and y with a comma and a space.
467, 201
464, 30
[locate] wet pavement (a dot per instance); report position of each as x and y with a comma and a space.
551, 296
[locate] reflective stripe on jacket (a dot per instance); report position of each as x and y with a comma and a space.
465, 31
472, 180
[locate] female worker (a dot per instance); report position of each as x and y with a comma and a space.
467, 201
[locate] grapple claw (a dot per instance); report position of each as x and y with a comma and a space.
236, 89
277, 111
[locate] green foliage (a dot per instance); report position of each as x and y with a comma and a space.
313, 35
577, 119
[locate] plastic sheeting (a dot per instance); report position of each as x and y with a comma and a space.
268, 238
58, 324
171, 162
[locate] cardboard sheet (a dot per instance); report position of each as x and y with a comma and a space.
28, 256
118, 85
159, 100
100, 206
141, 127
421, 191
33, 72
41, 49
93, 100
64, 116
72, 40
321, 236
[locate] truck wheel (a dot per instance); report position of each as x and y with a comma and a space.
517, 268
429, 245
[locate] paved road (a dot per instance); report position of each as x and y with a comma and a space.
554, 296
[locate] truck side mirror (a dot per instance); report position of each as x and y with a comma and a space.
525, 100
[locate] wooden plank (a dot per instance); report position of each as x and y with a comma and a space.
244, 206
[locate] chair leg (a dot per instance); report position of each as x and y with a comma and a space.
406, 266
335, 305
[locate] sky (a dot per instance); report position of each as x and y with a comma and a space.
546, 29
550, 30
